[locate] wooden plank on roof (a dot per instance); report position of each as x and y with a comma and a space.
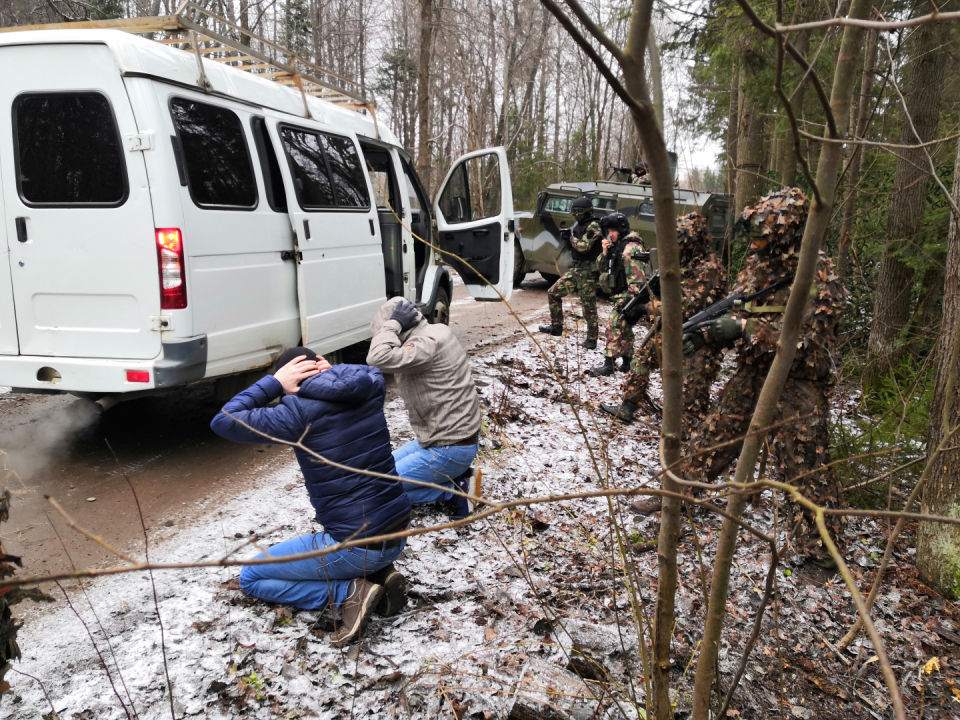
162, 23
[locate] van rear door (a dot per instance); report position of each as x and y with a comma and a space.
8, 319
78, 217
474, 213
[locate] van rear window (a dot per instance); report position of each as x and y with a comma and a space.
68, 150
219, 171
326, 170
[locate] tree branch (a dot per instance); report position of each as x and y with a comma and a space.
881, 25
595, 30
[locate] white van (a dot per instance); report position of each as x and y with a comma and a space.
168, 221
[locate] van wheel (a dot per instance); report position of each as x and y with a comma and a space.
441, 308
519, 271
550, 278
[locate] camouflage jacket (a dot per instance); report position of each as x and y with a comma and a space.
703, 282
633, 267
587, 238
816, 352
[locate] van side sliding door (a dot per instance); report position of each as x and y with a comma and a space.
340, 270
474, 213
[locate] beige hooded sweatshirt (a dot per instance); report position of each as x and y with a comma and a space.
433, 375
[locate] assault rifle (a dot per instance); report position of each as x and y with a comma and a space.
722, 307
632, 309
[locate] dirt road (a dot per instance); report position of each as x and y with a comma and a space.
179, 468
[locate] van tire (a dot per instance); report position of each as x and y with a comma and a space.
550, 278
440, 313
519, 265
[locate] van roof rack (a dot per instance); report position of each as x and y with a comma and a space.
202, 31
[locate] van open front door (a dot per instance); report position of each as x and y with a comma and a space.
474, 213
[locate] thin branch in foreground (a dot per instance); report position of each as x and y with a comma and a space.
153, 584
880, 25
93, 642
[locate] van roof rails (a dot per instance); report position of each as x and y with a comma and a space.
202, 32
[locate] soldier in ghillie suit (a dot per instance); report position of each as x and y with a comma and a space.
703, 282
622, 277
581, 279
799, 439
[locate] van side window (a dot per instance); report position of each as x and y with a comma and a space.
314, 189
272, 179
349, 179
219, 171
68, 150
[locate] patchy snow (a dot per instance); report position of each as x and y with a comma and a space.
484, 600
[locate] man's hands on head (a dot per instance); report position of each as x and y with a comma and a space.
406, 315
297, 370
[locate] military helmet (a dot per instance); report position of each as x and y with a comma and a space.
640, 167
581, 206
692, 235
776, 222
615, 221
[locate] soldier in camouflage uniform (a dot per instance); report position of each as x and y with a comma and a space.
703, 282
581, 279
639, 174
626, 278
799, 439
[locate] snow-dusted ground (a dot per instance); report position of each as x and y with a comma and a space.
484, 600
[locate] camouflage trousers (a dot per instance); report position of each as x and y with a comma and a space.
699, 372
797, 445
577, 281
619, 334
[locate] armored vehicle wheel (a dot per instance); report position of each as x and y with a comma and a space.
550, 278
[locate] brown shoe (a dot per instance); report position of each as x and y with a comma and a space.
647, 506
394, 590
362, 597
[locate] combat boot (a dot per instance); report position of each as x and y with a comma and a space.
625, 365
623, 412
604, 370
590, 343
552, 329
647, 506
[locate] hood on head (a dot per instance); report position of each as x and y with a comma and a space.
384, 313
344, 383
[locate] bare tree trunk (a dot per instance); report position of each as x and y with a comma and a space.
786, 157
853, 176
750, 146
938, 546
656, 77
423, 92
818, 222
893, 306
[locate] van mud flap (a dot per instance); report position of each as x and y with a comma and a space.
183, 361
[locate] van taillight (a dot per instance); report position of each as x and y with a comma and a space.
173, 281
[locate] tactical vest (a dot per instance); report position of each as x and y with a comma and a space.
593, 253
617, 271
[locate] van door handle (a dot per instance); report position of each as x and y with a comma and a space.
306, 229
481, 231
21, 229
372, 231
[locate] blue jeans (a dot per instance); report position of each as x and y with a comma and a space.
310, 584
437, 465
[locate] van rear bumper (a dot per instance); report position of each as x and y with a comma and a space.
180, 362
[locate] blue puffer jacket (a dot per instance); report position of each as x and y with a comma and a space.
344, 409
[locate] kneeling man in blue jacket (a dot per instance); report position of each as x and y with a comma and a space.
341, 411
